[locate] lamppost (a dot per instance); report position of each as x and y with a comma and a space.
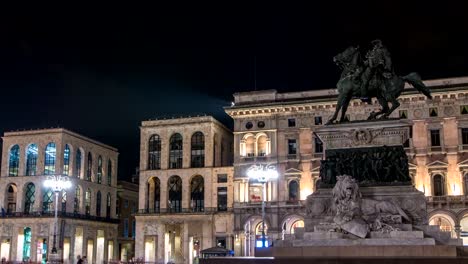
57, 183
262, 173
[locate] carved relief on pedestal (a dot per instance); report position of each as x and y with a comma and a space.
6, 229
43, 229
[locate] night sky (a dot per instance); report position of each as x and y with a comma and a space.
101, 70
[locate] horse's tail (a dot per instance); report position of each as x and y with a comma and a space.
415, 80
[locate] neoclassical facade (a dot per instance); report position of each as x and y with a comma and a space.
87, 223
185, 181
278, 128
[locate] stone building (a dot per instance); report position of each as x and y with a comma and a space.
127, 206
278, 128
185, 178
87, 223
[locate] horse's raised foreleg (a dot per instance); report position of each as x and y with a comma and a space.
339, 103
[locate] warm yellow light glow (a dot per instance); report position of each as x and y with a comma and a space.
456, 189
305, 192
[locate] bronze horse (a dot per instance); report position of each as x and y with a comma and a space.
385, 90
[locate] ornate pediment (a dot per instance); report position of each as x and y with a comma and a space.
437, 164
463, 164
412, 166
293, 172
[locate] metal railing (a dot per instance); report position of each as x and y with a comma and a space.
45, 214
204, 210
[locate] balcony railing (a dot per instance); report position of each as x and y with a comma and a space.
46, 214
205, 210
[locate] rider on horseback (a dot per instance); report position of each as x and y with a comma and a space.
378, 63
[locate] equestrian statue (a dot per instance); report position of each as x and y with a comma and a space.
373, 77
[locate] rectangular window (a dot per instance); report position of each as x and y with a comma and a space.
222, 198
318, 145
133, 228
222, 178
435, 138
464, 136
318, 120
125, 231
291, 122
292, 147
433, 112
125, 203
134, 207
221, 242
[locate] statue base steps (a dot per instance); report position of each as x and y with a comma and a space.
366, 251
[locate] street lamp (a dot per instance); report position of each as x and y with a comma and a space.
262, 173
57, 183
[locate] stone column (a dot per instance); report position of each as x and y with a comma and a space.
457, 228
139, 238
160, 242
185, 244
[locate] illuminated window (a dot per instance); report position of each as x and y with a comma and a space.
88, 202
31, 160
298, 223
175, 152
14, 161
66, 160
99, 170
64, 201
49, 162
198, 150
154, 153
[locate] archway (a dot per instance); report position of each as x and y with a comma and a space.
11, 198
445, 223
464, 229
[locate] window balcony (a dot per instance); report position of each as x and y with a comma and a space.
198, 210
61, 214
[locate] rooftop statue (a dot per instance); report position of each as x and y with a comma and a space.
373, 77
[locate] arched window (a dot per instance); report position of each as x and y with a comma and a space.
11, 198
298, 223
258, 229
47, 200
89, 169
66, 160
29, 198
13, 164
88, 202
98, 204
108, 205
175, 152
197, 194
198, 150
262, 146
78, 163
174, 185
154, 153
157, 194
250, 146
109, 172
49, 161
293, 190
99, 170
439, 185
31, 160
64, 201
76, 202
27, 244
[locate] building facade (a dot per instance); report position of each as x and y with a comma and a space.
278, 128
127, 207
87, 223
185, 181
